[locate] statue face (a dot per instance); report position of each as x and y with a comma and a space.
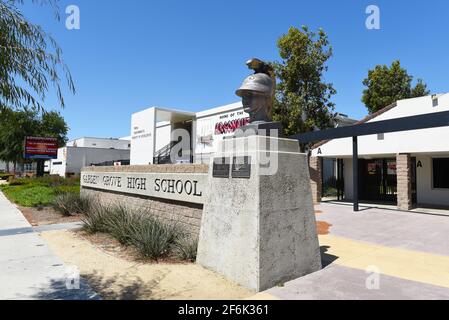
254, 104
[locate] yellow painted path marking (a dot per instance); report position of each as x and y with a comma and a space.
405, 264
263, 296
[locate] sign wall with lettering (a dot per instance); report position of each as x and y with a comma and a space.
173, 186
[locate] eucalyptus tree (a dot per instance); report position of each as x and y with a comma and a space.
31, 61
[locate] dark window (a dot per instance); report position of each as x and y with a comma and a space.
435, 102
57, 163
441, 173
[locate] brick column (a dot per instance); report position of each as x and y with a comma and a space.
404, 176
316, 180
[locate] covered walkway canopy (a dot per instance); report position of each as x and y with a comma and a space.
426, 121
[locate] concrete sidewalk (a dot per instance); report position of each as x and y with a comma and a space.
28, 269
376, 254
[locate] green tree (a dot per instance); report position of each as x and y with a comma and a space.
53, 125
386, 85
16, 125
302, 97
31, 61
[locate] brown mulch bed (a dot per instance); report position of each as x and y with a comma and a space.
46, 216
323, 228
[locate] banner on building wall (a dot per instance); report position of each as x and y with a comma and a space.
391, 168
41, 148
230, 126
372, 168
214, 128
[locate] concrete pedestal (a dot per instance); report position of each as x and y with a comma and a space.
262, 129
260, 231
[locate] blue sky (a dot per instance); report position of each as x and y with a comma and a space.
190, 55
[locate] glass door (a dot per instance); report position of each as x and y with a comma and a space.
378, 180
371, 179
390, 181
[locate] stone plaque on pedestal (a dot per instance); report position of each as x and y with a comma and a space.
260, 230
221, 168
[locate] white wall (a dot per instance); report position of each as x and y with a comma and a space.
74, 158
3, 166
163, 136
143, 141
78, 158
100, 143
426, 193
58, 166
416, 141
205, 129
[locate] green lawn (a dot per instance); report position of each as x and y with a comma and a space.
33, 192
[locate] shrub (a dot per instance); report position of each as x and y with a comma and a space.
65, 189
6, 176
57, 181
330, 187
69, 203
153, 238
122, 224
94, 220
18, 182
186, 248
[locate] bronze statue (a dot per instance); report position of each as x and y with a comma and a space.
257, 92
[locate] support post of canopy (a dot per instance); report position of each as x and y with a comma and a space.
355, 173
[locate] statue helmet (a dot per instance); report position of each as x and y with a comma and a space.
259, 82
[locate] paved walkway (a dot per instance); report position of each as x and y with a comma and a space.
410, 251
28, 269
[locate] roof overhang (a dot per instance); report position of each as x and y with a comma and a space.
425, 121
173, 116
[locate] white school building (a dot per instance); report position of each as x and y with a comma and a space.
418, 157
409, 168
84, 152
152, 129
151, 132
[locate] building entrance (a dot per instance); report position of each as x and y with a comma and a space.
378, 180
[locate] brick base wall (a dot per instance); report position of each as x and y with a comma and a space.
404, 187
316, 179
188, 215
